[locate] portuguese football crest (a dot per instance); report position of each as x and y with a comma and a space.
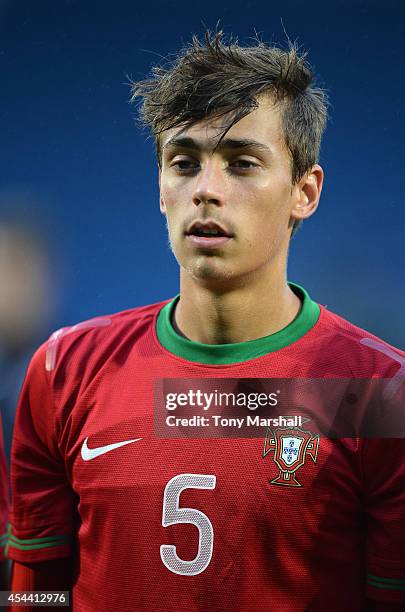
291, 447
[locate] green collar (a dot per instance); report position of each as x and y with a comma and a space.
217, 354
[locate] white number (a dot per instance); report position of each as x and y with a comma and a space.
173, 514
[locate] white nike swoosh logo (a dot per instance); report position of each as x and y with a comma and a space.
92, 453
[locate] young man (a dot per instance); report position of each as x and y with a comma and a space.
189, 523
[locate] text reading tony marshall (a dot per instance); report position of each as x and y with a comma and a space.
243, 407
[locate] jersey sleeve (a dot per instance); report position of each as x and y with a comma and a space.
44, 506
384, 471
3, 497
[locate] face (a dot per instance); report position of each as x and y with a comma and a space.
230, 209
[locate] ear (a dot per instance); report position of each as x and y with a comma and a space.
162, 204
308, 193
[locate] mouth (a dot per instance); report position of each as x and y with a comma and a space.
208, 234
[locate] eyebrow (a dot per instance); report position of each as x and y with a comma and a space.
185, 142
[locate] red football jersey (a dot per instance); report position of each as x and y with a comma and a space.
3, 496
202, 524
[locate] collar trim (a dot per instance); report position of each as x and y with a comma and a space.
219, 354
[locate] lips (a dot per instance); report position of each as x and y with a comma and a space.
208, 234
208, 229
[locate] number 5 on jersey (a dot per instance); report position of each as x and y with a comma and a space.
173, 514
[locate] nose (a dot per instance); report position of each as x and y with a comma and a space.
210, 185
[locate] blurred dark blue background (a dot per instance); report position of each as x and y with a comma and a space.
74, 163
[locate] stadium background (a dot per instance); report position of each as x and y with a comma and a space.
77, 168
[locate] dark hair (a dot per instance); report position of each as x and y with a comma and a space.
219, 78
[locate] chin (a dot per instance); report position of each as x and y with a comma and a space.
213, 276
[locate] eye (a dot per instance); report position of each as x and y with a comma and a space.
243, 164
184, 165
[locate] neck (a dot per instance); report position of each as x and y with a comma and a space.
247, 312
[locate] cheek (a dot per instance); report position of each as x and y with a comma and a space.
164, 196
265, 220
172, 196
167, 202
171, 208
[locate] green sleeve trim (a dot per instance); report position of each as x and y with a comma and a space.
38, 540
391, 587
383, 581
37, 546
36, 543
220, 354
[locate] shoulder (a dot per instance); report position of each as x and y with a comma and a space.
95, 340
366, 354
